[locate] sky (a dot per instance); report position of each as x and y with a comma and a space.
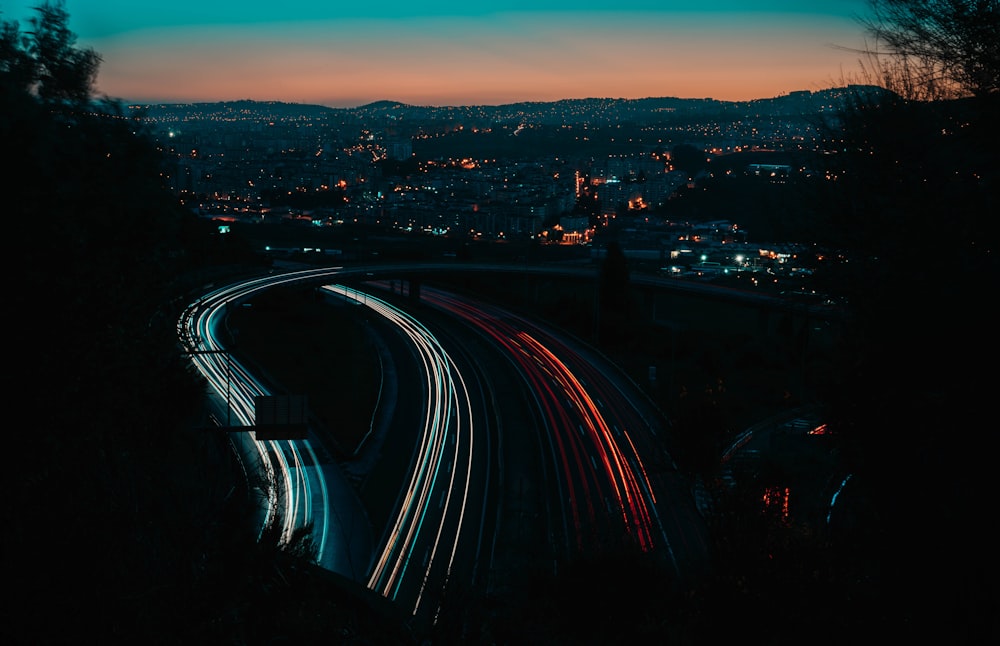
441, 52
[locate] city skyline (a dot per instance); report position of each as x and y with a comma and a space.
445, 53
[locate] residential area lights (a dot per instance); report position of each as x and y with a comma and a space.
254, 157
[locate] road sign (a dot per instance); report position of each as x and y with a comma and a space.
280, 417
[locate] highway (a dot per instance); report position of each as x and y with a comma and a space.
601, 478
440, 516
299, 485
613, 482
440, 508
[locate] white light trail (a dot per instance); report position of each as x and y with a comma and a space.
447, 415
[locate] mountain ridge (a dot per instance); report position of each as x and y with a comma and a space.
801, 102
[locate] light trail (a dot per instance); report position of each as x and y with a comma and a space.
602, 482
434, 503
614, 466
438, 489
297, 494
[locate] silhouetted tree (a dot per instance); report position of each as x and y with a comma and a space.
118, 521
614, 301
928, 49
45, 61
688, 158
916, 179
588, 203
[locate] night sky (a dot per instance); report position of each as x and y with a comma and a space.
449, 53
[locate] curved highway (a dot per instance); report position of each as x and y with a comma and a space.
607, 478
299, 483
614, 481
440, 509
438, 525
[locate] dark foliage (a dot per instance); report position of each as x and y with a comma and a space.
688, 158
126, 524
614, 303
910, 211
928, 48
304, 200
769, 212
129, 522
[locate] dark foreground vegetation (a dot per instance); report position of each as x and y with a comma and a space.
129, 522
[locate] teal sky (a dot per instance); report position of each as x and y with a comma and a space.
449, 53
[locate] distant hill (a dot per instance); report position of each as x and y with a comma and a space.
233, 109
598, 110
589, 110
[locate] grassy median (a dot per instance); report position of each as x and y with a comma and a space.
305, 346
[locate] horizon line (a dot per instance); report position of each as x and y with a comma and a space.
490, 105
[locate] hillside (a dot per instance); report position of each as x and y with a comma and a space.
595, 111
